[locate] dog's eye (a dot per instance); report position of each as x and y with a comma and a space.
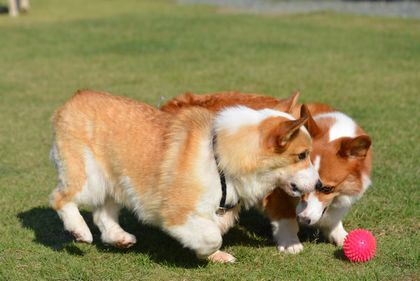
303, 155
325, 189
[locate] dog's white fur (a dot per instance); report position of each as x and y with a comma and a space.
285, 236
344, 126
16, 5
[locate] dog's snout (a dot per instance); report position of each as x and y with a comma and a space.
294, 187
304, 220
318, 185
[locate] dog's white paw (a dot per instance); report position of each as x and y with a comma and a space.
285, 235
337, 234
222, 257
338, 237
291, 247
119, 239
82, 235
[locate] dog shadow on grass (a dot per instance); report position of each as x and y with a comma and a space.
253, 231
259, 225
312, 235
4, 9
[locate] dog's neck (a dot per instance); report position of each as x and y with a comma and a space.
250, 189
228, 201
246, 189
240, 166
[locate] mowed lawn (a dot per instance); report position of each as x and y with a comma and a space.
367, 67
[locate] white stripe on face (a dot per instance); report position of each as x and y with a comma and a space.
317, 162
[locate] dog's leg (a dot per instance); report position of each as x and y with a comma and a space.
106, 218
74, 223
332, 226
285, 235
337, 234
280, 208
202, 236
72, 180
13, 8
61, 201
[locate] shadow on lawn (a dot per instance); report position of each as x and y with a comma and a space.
339, 254
259, 225
4, 9
253, 230
309, 234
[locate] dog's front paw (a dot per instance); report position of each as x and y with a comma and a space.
290, 247
338, 237
223, 257
337, 234
285, 236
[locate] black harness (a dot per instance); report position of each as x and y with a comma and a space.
223, 208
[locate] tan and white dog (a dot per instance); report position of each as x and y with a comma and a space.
167, 168
341, 153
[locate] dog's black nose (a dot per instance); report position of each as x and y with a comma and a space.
318, 185
294, 187
305, 220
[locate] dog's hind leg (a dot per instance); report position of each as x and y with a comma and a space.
72, 180
74, 222
106, 218
61, 200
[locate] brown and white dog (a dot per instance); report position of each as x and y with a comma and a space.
167, 168
341, 153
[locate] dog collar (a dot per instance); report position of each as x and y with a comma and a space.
223, 207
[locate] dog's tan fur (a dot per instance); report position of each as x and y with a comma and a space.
112, 151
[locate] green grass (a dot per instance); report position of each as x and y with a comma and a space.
367, 67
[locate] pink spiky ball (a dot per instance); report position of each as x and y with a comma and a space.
359, 245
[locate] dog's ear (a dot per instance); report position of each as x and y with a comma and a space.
281, 132
311, 125
355, 147
287, 105
291, 102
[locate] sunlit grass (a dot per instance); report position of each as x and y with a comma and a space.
367, 67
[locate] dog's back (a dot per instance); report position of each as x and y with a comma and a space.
91, 125
218, 101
